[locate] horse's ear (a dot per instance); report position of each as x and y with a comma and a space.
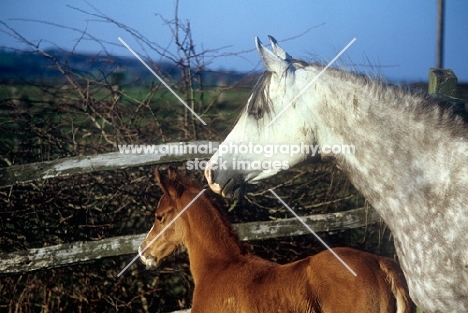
278, 50
272, 62
168, 183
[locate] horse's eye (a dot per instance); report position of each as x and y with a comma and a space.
159, 218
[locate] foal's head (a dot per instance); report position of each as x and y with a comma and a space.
175, 192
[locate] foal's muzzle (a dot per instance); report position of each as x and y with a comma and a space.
148, 260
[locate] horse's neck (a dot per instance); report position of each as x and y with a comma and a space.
399, 145
209, 239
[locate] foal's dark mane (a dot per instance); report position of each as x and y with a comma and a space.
426, 106
194, 188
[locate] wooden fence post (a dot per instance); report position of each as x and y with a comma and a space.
442, 81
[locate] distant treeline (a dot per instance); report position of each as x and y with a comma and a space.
33, 67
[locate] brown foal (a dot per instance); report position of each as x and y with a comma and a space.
229, 279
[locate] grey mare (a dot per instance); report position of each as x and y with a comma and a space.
410, 160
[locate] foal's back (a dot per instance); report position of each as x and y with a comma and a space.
318, 284
378, 287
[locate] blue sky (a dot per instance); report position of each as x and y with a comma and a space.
397, 37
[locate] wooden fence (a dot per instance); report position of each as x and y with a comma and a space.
101, 162
76, 252
65, 254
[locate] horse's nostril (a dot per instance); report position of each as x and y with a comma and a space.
209, 173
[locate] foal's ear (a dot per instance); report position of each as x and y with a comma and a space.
169, 183
272, 62
172, 173
160, 179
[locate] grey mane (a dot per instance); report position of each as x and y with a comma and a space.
259, 102
425, 106
434, 110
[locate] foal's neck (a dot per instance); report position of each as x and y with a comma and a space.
210, 239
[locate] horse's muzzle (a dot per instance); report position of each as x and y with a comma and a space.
228, 183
